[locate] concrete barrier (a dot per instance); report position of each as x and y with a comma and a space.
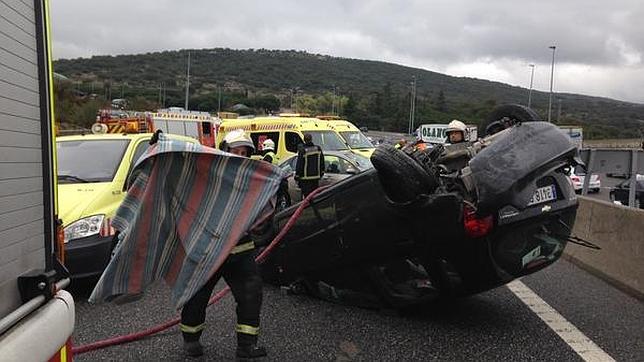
619, 231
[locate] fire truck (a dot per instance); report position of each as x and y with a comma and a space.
36, 313
201, 126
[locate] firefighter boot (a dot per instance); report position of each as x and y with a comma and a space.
193, 348
247, 347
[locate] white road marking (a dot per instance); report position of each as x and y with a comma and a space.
582, 345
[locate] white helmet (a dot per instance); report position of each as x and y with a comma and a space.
456, 125
268, 144
237, 138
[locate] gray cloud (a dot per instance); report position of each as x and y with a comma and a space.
600, 45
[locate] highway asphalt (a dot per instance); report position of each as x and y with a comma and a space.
495, 325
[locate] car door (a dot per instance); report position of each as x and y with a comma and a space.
335, 170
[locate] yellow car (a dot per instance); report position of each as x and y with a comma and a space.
92, 170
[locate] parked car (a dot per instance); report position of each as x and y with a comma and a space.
438, 222
338, 165
619, 194
577, 176
92, 174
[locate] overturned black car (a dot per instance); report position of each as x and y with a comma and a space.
446, 221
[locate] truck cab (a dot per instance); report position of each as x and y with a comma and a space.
36, 314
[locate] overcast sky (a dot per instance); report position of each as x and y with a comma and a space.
600, 44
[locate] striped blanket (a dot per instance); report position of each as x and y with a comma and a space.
187, 206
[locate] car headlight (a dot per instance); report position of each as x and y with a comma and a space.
84, 227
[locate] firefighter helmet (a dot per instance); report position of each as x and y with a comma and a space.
456, 125
268, 144
237, 138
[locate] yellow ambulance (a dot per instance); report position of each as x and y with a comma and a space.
92, 174
354, 138
286, 131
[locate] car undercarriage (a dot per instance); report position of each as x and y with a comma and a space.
446, 221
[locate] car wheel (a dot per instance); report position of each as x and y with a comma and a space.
513, 114
402, 178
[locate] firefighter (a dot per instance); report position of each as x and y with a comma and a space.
456, 132
242, 276
401, 144
310, 165
283, 197
268, 149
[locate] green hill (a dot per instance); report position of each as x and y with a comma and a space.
371, 93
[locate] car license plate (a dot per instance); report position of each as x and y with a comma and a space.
543, 194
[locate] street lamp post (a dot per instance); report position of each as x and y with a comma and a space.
412, 105
531, 79
187, 82
552, 74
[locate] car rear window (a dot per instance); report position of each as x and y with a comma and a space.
89, 160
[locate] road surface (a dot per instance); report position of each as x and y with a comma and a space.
496, 325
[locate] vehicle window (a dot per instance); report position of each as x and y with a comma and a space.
328, 140
292, 140
345, 165
356, 140
89, 160
332, 164
289, 164
260, 137
140, 149
205, 128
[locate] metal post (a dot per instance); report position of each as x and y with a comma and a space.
589, 170
633, 183
413, 108
552, 74
412, 105
530, 91
219, 101
164, 94
333, 103
187, 82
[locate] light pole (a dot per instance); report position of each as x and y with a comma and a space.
187, 82
531, 79
333, 103
552, 74
412, 105
219, 100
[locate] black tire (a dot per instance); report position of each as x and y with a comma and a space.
402, 178
515, 113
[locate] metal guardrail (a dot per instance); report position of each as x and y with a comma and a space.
602, 160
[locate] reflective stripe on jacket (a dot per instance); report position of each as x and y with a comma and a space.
310, 163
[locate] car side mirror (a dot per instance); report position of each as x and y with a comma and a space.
352, 171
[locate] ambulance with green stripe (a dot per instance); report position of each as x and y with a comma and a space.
287, 132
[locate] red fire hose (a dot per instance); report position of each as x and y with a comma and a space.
215, 298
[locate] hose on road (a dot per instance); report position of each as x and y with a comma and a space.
113, 341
